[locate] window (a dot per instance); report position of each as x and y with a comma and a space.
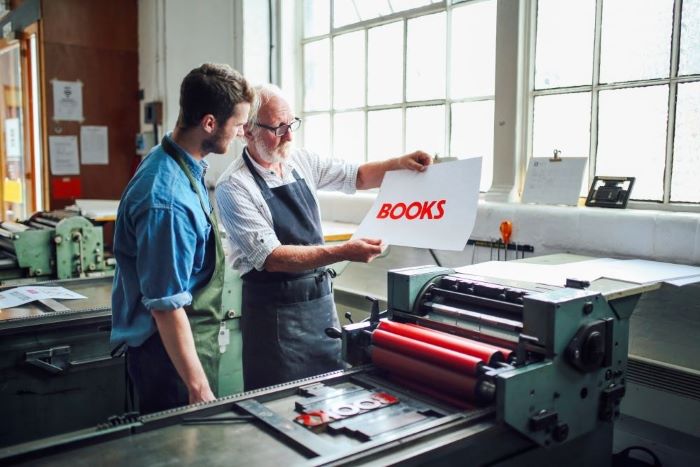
386, 77
21, 170
622, 89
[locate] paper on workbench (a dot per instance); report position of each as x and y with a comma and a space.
21, 295
431, 209
684, 281
644, 271
530, 272
634, 270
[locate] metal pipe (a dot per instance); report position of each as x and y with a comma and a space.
7, 263
7, 244
44, 221
480, 318
13, 226
39, 226
476, 300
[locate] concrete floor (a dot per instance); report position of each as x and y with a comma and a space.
673, 448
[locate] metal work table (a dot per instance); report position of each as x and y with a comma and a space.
209, 434
56, 372
98, 303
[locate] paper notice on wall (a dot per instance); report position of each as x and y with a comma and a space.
13, 138
67, 100
431, 209
63, 155
94, 145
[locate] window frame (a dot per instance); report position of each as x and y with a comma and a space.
673, 80
446, 6
513, 98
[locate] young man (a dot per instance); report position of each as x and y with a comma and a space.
166, 301
268, 205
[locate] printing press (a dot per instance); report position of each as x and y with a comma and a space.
458, 369
52, 245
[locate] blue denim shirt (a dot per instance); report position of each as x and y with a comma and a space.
162, 243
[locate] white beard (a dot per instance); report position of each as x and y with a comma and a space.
270, 157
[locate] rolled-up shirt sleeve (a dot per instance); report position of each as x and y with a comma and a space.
166, 244
245, 224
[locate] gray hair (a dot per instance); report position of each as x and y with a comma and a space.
263, 94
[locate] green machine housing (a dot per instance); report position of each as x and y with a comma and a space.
52, 245
567, 376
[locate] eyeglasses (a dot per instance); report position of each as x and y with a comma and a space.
282, 129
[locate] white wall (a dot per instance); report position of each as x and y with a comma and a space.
176, 36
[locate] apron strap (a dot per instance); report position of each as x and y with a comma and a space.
264, 189
266, 192
173, 152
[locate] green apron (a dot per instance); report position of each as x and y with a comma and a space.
206, 311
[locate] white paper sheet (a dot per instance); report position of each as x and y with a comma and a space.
21, 295
529, 272
431, 209
94, 145
636, 271
643, 271
63, 154
67, 100
684, 281
96, 208
554, 182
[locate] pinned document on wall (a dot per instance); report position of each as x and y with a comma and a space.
554, 180
67, 100
13, 138
94, 145
63, 155
431, 209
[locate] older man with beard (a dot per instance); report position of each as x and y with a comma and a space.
268, 205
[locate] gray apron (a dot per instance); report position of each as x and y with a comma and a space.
284, 315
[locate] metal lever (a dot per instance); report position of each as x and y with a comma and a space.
56, 359
53, 360
374, 312
348, 316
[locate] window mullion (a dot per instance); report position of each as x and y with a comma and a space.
366, 103
448, 82
672, 93
595, 90
331, 110
529, 103
403, 99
